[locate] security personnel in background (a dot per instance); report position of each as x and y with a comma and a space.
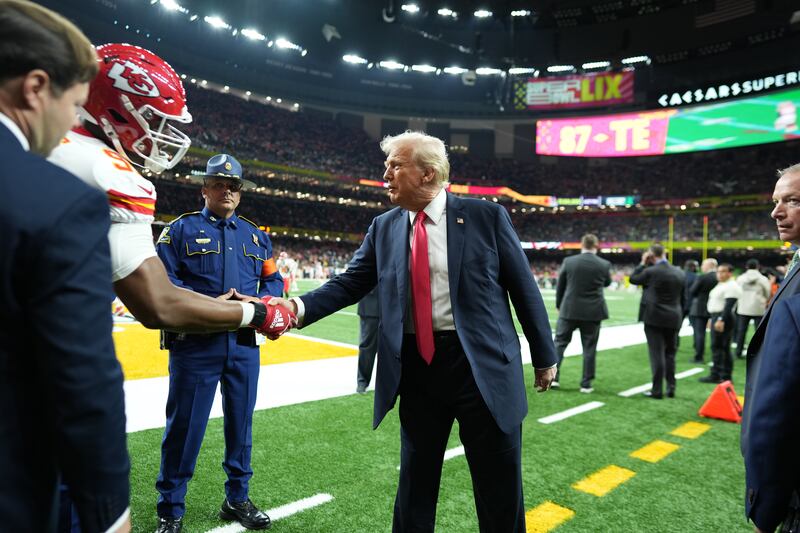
219, 254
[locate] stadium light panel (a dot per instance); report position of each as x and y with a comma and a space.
560, 68
192, 18
410, 8
520, 13
391, 65
216, 22
269, 98
636, 59
286, 44
255, 35
487, 71
522, 70
354, 59
226, 88
455, 70
248, 93
482, 13
172, 5
423, 68
279, 100
445, 12
596, 64
304, 53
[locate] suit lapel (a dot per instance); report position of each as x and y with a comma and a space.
456, 228
400, 252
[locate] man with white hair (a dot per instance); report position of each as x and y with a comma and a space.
445, 268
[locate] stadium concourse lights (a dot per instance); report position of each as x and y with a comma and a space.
488, 71
520, 13
482, 13
635, 59
172, 5
354, 59
596, 64
560, 68
410, 8
424, 68
455, 71
216, 22
515, 71
447, 12
255, 35
392, 65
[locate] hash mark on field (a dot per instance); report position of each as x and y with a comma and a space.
604, 481
655, 451
690, 430
546, 517
281, 512
647, 386
458, 451
557, 417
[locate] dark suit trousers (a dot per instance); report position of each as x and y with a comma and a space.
721, 351
742, 324
699, 327
431, 398
367, 348
662, 344
590, 332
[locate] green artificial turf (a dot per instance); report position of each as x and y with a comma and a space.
328, 447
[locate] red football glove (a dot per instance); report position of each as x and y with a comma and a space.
274, 320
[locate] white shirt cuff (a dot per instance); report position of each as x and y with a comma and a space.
301, 310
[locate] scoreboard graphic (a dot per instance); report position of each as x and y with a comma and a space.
762, 119
562, 92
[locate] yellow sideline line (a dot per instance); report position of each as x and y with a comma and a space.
604, 480
140, 356
655, 451
546, 517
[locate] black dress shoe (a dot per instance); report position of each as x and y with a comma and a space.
671, 393
697, 360
709, 379
649, 394
246, 514
170, 525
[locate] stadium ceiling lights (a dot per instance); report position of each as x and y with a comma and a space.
482, 13
446, 12
487, 71
423, 68
410, 8
596, 64
286, 44
636, 59
172, 5
354, 59
522, 70
216, 22
392, 65
560, 68
520, 13
255, 35
455, 70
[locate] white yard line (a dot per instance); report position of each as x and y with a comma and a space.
281, 512
557, 417
647, 386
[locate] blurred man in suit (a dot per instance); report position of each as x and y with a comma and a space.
63, 415
661, 312
769, 426
368, 344
581, 305
445, 268
698, 309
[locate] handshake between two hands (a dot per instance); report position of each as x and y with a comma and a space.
273, 317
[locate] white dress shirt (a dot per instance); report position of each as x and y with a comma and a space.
11, 125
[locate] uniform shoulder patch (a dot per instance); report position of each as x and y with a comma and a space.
165, 237
248, 221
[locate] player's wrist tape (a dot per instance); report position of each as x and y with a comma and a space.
248, 313
258, 314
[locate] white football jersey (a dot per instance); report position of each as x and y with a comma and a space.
131, 197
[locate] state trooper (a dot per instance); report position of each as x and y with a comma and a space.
220, 254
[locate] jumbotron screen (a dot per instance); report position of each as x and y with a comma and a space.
762, 119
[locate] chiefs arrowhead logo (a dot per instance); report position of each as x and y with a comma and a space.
131, 78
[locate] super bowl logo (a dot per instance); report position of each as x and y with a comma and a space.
130, 78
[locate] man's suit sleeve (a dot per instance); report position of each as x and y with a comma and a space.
640, 275
561, 286
771, 458
516, 277
79, 375
346, 288
607, 282
695, 290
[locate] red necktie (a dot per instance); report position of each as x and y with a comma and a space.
421, 289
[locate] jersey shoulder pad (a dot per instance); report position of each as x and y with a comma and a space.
248, 221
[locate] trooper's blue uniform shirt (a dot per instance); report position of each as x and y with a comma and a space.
209, 255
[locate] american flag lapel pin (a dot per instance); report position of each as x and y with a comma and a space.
459, 220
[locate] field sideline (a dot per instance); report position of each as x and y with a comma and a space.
320, 468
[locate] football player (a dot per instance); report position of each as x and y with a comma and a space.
130, 122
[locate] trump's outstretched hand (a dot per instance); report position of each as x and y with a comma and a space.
543, 378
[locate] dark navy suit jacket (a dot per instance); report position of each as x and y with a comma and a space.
62, 405
772, 461
486, 266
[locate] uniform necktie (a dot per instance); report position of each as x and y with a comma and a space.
421, 289
230, 272
793, 262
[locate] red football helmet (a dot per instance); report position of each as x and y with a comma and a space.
134, 98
